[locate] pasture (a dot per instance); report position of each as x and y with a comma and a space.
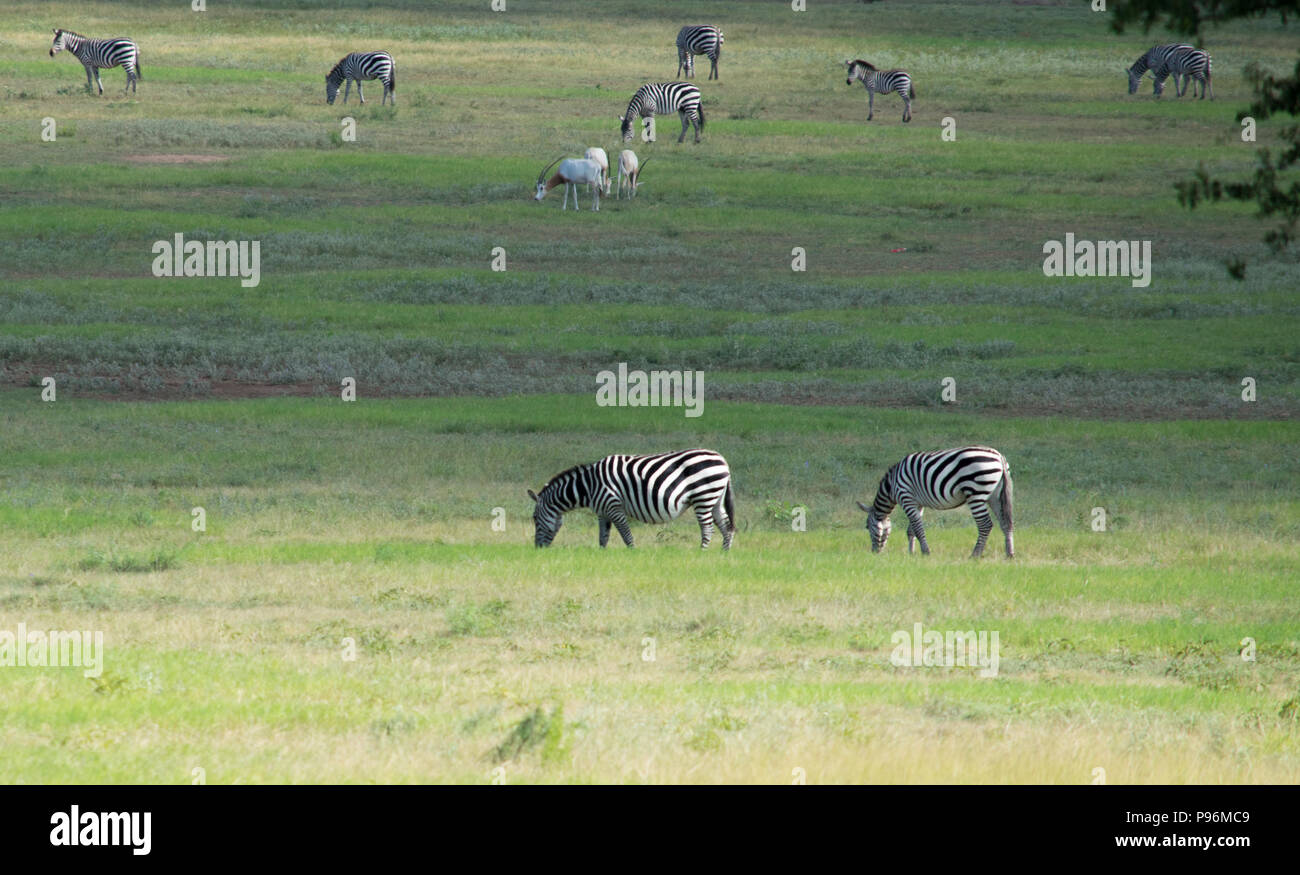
1163, 648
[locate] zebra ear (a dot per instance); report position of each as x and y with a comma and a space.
864, 507
532, 495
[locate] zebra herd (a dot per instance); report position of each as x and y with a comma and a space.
658, 488
653, 98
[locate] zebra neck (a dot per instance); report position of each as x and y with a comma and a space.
634, 108
575, 493
884, 504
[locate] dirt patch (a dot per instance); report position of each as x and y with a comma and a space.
175, 159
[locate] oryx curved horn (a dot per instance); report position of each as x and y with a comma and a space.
541, 177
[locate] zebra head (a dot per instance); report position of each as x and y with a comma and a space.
878, 526
857, 70
547, 518
57, 46
1134, 79
626, 122
333, 79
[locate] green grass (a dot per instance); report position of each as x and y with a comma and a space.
365, 529
372, 522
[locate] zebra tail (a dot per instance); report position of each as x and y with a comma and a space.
1006, 498
138, 74
702, 131
729, 505
392, 80
911, 91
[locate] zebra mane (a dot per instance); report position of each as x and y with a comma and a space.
59, 31
565, 473
868, 65
336, 75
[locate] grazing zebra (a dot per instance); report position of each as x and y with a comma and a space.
1194, 64
1153, 60
649, 489
661, 97
882, 81
98, 54
943, 480
698, 39
358, 66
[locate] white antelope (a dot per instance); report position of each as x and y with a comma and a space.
597, 154
629, 172
572, 172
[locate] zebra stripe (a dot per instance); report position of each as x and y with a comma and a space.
883, 82
358, 66
661, 97
100, 54
1194, 64
943, 480
648, 489
698, 39
1154, 59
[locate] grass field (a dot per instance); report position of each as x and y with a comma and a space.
1165, 648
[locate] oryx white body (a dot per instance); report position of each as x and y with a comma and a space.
597, 154
629, 172
572, 172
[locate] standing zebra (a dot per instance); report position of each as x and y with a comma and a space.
698, 39
358, 66
97, 54
649, 489
1154, 59
1194, 64
943, 480
882, 81
661, 97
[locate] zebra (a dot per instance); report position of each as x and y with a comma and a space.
661, 97
1194, 64
883, 81
698, 39
358, 66
649, 489
97, 54
1153, 59
943, 480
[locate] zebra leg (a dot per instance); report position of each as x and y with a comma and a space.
713, 72
604, 531
98, 81
723, 523
914, 525
871, 104
359, 94
705, 517
682, 113
347, 88
980, 510
911, 531
907, 108
619, 519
